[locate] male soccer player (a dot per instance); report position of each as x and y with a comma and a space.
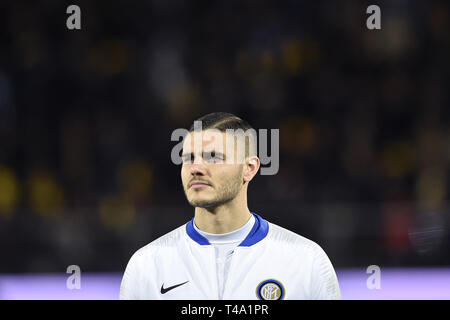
226, 251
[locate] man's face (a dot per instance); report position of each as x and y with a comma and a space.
209, 180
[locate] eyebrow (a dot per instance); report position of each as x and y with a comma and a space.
187, 155
190, 154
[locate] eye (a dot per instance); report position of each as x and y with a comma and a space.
188, 158
213, 157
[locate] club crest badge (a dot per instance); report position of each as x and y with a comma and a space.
270, 290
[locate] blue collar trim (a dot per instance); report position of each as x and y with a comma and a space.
258, 232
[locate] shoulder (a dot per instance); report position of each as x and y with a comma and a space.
280, 234
291, 240
166, 242
324, 283
146, 261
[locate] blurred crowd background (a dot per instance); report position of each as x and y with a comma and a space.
86, 117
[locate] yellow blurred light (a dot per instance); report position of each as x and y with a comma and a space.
136, 178
299, 136
46, 196
116, 213
9, 192
432, 189
292, 57
398, 160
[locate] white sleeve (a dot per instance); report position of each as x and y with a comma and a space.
130, 283
324, 282
138, 280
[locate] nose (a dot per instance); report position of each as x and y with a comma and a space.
197, 168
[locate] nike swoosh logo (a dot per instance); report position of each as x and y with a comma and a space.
164, 290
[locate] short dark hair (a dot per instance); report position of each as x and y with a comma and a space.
222, 121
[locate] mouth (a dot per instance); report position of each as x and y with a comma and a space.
198, 184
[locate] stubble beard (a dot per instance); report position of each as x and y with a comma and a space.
225, 192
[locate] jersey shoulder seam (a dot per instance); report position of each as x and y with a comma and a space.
168, 240
278, 233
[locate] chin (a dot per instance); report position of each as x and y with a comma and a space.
201, 203
204, 203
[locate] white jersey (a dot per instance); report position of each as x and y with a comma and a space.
272, 263
224, 245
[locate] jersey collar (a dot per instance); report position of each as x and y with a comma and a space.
258, 232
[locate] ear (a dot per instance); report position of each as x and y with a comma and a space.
251, 167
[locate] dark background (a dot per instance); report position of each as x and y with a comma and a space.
86, 117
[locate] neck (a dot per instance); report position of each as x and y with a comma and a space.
225, 218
